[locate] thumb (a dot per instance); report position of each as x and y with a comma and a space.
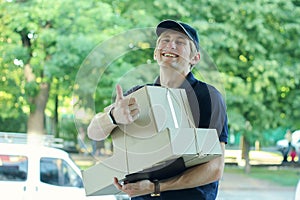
119, 93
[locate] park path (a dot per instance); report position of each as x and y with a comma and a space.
241, 187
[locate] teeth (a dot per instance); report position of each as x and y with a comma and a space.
169, 55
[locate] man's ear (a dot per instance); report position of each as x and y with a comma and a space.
195, 59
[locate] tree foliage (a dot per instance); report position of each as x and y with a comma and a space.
254, 44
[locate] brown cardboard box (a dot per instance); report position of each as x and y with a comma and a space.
152, 149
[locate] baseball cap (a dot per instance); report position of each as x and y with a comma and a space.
178, 26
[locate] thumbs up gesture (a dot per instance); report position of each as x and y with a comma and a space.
126, 109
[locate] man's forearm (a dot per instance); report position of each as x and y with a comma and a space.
101, 126
199, 175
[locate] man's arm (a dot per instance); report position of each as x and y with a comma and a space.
196, 176
123, 111
101, 125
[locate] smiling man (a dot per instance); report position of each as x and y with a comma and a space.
176, 52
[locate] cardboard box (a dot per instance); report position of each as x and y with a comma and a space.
160, 144
136, 158
160, 108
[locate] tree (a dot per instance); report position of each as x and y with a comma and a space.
49, 42
254, 44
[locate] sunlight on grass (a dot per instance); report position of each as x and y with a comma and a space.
256, 157
279, 175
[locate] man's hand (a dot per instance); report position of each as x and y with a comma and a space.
135, 189
126, 110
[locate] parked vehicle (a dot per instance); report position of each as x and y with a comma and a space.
283, 144
34, 172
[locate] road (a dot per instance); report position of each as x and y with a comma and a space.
241, 187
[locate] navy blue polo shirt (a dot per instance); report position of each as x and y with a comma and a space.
209, 111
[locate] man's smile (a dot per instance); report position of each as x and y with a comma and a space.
170, 55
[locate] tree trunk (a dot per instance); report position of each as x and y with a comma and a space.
55, 118
35, 124
245, 154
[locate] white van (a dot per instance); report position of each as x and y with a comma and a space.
30, 172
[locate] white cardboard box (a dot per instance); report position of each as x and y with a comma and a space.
160, 108
148, 147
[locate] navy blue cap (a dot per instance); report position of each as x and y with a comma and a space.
178, 26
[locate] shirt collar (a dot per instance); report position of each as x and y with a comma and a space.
187, 84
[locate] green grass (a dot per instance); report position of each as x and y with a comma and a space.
285, 176
84, 167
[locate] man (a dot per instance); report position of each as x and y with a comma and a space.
176, 52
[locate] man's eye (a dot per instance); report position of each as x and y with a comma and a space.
180, 43
165, 40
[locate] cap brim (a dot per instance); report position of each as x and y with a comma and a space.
173, 25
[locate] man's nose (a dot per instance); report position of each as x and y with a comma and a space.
171, 44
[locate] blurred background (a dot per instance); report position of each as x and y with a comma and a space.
253, 45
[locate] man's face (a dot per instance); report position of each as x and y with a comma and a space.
173, 50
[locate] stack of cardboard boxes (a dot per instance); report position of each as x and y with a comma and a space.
161, 143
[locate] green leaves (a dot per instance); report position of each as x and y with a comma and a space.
31, 88
254, 44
